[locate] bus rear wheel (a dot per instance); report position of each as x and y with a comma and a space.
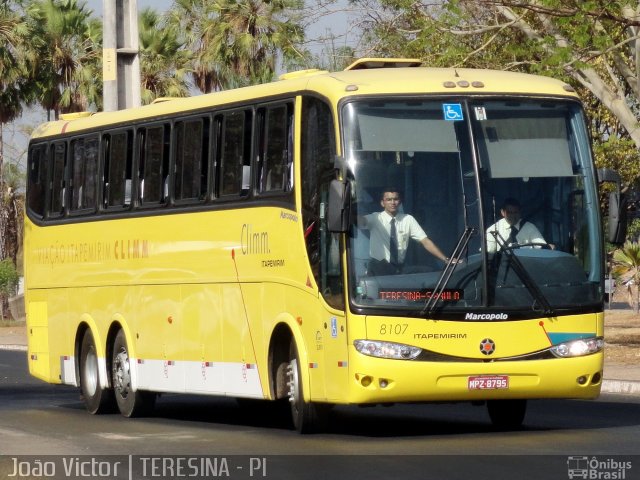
507, 414
130, 403
308, 417
96, 399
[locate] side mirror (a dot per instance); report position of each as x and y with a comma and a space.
338, 220
617, 218
617, 206
609, 175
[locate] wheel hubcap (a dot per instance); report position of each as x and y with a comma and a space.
121, 373
292, 382
91, 373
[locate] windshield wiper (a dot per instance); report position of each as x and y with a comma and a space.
531, 285
463, 241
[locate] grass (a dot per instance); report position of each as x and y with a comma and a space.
10, 322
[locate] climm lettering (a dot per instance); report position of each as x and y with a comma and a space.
253, 242
130, 249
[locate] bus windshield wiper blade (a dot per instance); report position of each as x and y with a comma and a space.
531, 285
463, 241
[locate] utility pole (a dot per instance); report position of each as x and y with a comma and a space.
120, 55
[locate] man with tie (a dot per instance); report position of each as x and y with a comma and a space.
511, 230
390, 232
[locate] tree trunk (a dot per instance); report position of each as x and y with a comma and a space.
10, 236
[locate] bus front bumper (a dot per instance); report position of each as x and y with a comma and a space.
376, 380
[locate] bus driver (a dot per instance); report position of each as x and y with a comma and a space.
511, 230
390, 231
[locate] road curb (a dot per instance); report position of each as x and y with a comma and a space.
14, 348
629, 387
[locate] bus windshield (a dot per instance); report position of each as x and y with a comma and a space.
508, 181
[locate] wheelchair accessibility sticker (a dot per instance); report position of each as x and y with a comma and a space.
452, 111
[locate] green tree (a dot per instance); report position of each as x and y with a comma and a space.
13, 206
164, 64
66, 55
237, 43
8, 284
13, 75
627, 266
13, 38
594, 45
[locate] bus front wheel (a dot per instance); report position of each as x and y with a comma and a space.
130, 403
308, 417
507, 414
96, 399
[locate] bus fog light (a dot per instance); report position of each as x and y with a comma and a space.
366, 381
582, 380
384, 383
578, 348
392, 350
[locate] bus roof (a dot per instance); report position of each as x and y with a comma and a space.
365, 77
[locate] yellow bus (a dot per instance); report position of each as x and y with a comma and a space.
229, 244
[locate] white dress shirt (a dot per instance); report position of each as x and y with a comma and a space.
379, 226
527, 233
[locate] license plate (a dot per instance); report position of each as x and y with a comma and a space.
488, 382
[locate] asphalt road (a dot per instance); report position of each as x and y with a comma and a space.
45, 423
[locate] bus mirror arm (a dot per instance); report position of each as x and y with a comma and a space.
338, 214
340, 164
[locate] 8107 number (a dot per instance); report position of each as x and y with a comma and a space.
393, 328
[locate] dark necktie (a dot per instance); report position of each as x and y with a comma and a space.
512, 235
393, 243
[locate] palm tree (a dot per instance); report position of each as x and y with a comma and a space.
193, 18
627, 266
66, 55
13, 204
164, 64
13, 75
237, 43
13, 35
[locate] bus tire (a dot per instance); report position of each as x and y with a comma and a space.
130, 403
507, 414
96, 399
308, 417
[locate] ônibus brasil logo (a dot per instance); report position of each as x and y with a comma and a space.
597, 469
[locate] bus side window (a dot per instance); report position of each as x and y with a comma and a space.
84, 169
191, 164
235, 153
153, 174
274, 149
57, 182
216, 184
37, 166
116, 180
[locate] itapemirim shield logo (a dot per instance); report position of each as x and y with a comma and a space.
487, 346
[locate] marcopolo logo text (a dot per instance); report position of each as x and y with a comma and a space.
486, 316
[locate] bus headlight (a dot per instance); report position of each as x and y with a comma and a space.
378, 349
578, 348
